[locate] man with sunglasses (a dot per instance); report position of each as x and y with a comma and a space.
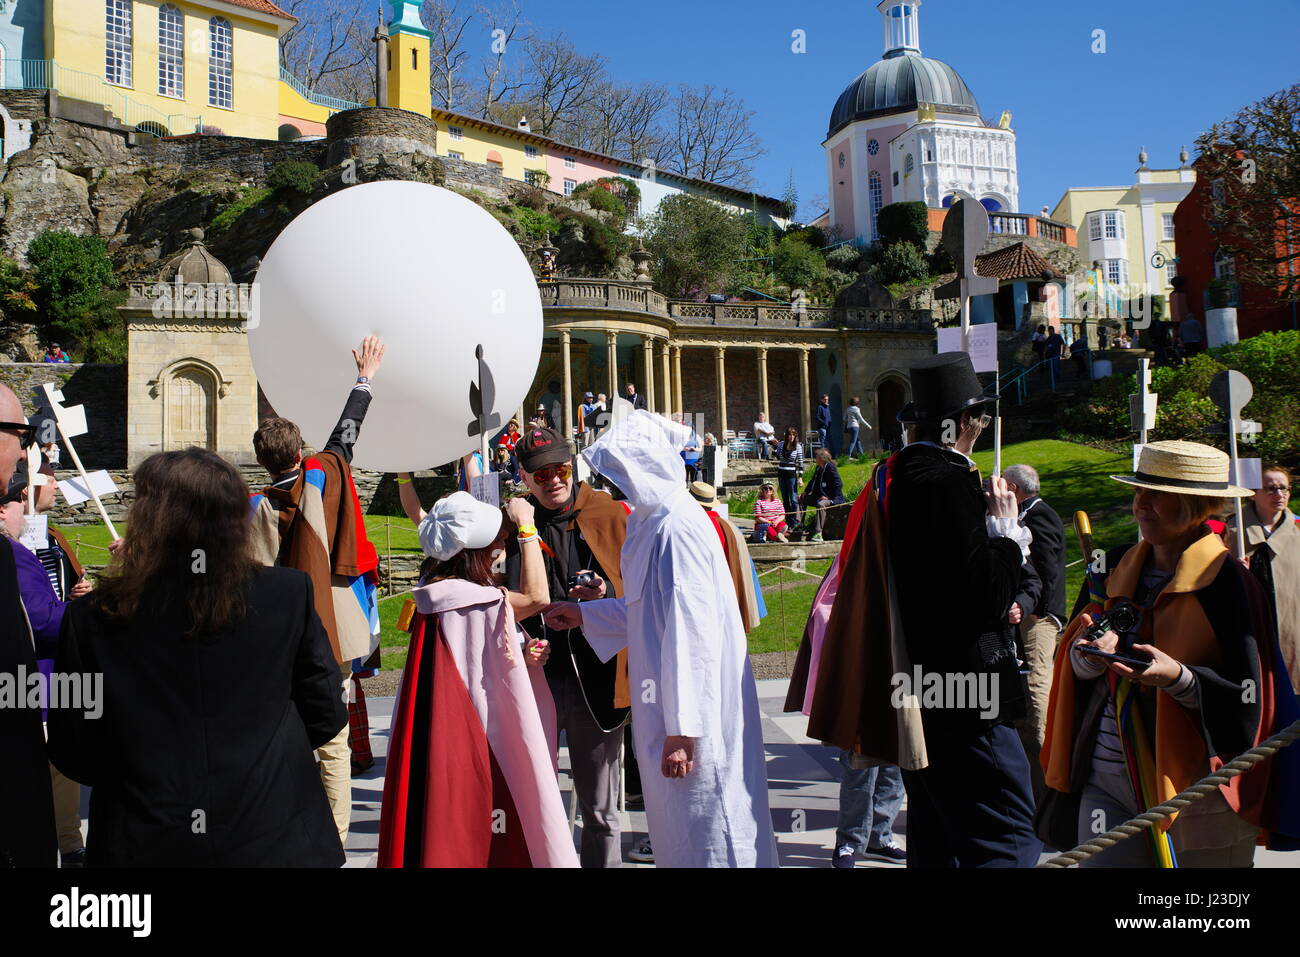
27, 835
582, 533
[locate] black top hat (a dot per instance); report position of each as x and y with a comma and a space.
942, 385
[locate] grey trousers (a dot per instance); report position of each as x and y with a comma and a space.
593, 756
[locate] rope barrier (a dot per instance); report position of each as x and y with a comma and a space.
1207, 785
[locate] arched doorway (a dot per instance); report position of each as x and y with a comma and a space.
190, 409
289, 133
890, 398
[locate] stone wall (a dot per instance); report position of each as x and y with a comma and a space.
379, 130
246, 157
100, 388
700, 389
483, 176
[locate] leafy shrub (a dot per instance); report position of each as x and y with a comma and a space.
535, 224
797, 264
903, 262
940, 262
697, 246
17, 289
71, 273
295, 175
844, 258
904, 223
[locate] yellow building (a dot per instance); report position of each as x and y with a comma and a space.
171, 67
1123, 228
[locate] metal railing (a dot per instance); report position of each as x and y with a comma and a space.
320, 99
77, 85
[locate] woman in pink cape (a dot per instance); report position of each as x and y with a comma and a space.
471, 778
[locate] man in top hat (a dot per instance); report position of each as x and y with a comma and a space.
582, 532
958, 554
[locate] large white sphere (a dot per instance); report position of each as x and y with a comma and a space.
430, 273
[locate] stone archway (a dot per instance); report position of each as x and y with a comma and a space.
891, 396
189, 409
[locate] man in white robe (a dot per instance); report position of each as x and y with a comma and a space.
695, 715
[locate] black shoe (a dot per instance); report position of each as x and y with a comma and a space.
843, 857
75, 858
890, 852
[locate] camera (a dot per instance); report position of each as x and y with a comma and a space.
1121, 619
584, 580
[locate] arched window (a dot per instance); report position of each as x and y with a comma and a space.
909, 164
171, 51
877, 193
991, 204
117, 42
221, 63
1225, 265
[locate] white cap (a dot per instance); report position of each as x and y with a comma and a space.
458, 522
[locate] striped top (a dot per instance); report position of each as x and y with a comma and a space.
52, 561
769, 510
791, 461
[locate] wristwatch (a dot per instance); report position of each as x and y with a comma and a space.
363, 380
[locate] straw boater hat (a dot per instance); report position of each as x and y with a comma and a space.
707, 495
1184, 468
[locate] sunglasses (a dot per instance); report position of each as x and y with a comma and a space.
26, 432
548, 472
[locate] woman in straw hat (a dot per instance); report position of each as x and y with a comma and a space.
1122, 738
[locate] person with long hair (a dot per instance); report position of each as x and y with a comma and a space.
471, 778
789, 468
218, 683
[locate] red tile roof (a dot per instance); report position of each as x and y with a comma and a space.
262, 6
1014, 262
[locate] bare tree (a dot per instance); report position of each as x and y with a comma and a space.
506, 32
710, 137
619, 120
560, 82
1252, 163
447, 51
324, 42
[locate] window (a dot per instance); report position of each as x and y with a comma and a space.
530, 152
456, 156
1094, 227
909, 164
1171, 273
842, 161
873, 147
1117, 271
929, 155
1114, 221
1169, 225
221, 63
1225, 266
570, 163
117, 46
569, 186
455, 132
171, 51
877, 198
415, 58
895, 177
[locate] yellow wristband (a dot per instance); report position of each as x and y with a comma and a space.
402, 481
526, 531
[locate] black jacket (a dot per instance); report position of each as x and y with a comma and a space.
202, 756
26, 807
1044, 594
825, 483
955, 585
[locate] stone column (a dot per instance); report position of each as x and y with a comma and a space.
666, 380
648, 387
762, 384
611, 344
565, 357
721, 365
805, 412
677, 379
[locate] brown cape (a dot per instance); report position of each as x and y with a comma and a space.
603, 525
77, 571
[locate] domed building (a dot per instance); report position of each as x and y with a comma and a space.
190, 377
909, 129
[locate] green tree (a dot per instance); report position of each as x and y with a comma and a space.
797, 264
903, 262
74, 278
697, 245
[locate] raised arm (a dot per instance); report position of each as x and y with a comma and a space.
345, 434
534, 592
410, 498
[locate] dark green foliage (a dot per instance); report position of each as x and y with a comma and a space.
74, 280
697, 246
940, 262
536, 224
611, 194
846, 258
299, 176
904, 223
903, 262
608, 244
17, 288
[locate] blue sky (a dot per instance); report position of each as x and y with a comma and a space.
1171, 68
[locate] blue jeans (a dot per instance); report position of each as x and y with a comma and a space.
869, 802
821, 439
855, 442
789, 483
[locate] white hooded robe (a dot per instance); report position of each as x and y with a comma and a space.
688, 662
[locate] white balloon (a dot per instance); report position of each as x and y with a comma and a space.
429, 272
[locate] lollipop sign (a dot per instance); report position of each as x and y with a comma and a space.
433, 275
